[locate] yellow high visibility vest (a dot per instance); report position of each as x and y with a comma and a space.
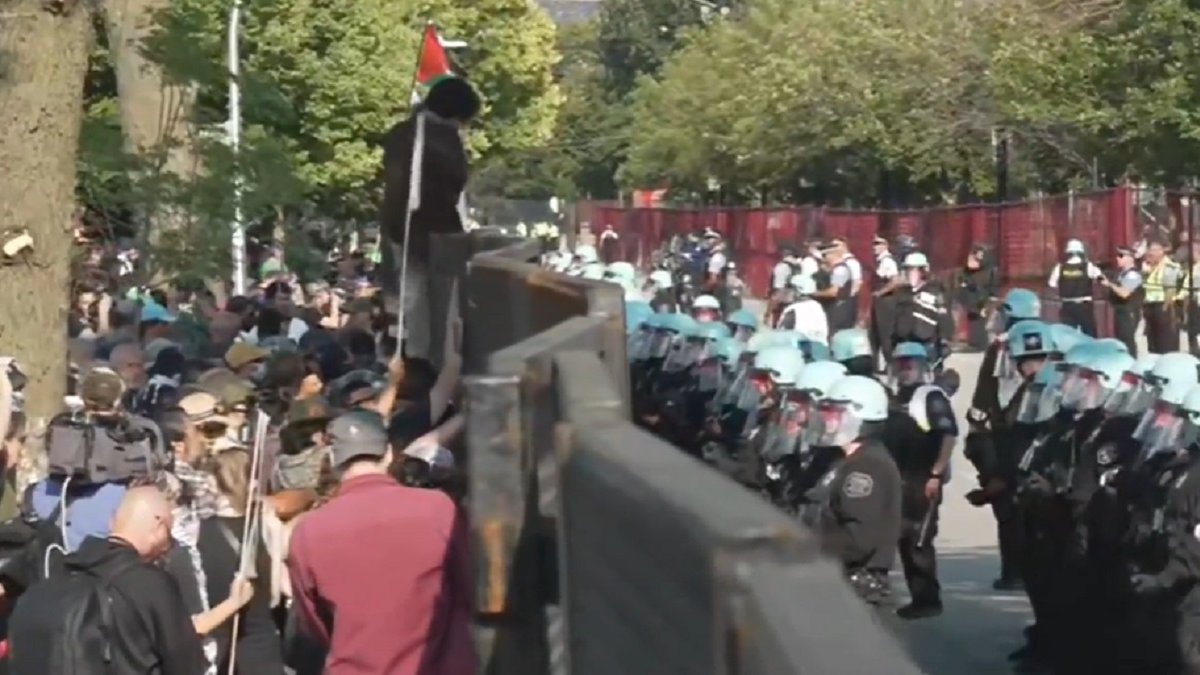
1155, 290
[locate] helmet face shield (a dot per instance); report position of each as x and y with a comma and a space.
1163, 429
1132, 396
741, 333
1083, 390
710, 375
686, 352
1039, 403
784, 434
740, 379
661, 343
835, 424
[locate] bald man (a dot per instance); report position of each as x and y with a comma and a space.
153, 630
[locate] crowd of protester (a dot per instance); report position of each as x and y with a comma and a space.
288, 407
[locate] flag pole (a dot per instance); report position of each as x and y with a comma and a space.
414, 180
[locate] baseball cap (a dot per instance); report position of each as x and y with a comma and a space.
242, 353
101, 388
201, 407
355, 434
439, 459
230, 390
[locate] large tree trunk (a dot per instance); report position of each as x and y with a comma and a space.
43, 62
155, 113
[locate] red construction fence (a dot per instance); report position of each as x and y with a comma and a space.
1026, 238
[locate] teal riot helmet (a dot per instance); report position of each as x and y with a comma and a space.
621, 272
1019, 304
743, 323
1112, 344
774, 369
785, 433
813, 350
1065, 338
715, 369
1090, 384
855, 407
910, 365
667, 334
640, 345
1026, 345
681, 353
636, 312
1164, 427
1039, 402
696, 346
1134, 393
850, 343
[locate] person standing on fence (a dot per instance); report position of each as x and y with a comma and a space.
1125, 294
883, 305
1073, 279
837, 295
435, 131
1161, 282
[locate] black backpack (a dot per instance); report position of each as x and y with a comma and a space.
65, 624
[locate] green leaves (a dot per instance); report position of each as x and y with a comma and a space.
837, 95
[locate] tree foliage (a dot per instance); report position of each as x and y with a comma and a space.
321, 81
830, 101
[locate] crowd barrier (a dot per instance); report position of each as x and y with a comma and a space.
601, 549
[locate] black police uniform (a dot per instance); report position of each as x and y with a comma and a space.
976, 288
1162, 622
922, 315
1075, 291
883, 315
857, 516
841, 312
993, 446
1127, 311
916, 451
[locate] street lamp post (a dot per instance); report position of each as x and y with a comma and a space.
234, 134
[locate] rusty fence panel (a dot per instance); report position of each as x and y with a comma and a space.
660, 556
508, 300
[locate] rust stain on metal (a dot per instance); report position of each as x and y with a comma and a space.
493, 534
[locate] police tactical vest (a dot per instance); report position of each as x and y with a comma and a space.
1133, 303
1073, 281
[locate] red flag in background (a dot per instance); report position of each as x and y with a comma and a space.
432, 63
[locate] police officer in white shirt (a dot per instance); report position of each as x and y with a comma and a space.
805, 315
883, 304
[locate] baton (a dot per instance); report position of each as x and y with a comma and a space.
925, 535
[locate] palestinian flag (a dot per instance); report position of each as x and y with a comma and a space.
432, 63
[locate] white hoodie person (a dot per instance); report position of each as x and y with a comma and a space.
805, 316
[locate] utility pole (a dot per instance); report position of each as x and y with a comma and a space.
234, 133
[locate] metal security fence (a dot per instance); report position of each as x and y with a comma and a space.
601, 549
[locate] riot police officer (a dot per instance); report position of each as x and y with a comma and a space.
996, 438
857, 512
922, 313
660, 286
1073, 278
977, 287
792, 466
921, 433
1125, 294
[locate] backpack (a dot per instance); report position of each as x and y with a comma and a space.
65, 624
89, 450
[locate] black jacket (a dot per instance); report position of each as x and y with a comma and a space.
259, 649
154, 634
443, 177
